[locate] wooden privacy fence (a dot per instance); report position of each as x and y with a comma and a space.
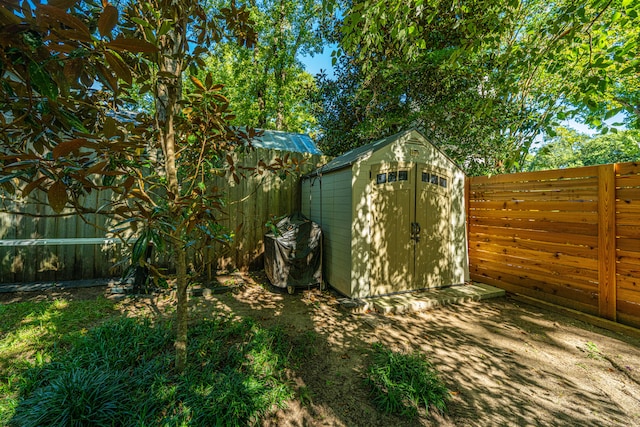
254, 201
570, 237
36, 244
57, 248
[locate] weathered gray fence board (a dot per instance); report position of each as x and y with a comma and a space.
250, 204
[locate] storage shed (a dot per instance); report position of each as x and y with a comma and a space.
393, 217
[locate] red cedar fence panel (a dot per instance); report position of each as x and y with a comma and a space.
570, 237
627, 253
536, 233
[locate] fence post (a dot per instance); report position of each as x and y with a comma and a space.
467, 210
607, 241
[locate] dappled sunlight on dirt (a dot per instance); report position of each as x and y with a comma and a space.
517, 368
264, 302
504, 362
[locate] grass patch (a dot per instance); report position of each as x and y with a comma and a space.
121, 373
592, 350
30, 332
401, 384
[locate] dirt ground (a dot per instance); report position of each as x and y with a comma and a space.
505, 363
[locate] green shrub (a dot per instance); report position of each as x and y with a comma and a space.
240, 377
121, 343
401, 383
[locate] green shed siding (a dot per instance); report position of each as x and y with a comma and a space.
361, 237
459, 245
332, 211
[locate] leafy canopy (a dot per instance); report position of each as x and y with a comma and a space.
524, 66
572, 149
66, 71
267, 84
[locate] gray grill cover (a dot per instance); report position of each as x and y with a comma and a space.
293, 257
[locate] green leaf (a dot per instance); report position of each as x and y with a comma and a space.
72, 121
8, 178
143, 23
612, 113
165, 27
139, 247
42, 82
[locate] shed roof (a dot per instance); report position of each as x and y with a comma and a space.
360, 153
285, 141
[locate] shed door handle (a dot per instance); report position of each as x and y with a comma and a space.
415, 231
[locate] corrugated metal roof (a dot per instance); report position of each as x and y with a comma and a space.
285, 141
351, 157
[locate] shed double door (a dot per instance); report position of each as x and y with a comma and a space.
410, 231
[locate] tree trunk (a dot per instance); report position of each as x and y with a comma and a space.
168, 93
261, 93
262, 107
182, 309
280, 115
280, 65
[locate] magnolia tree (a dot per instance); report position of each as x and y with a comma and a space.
69, 126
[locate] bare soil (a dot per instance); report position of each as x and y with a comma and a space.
505, 363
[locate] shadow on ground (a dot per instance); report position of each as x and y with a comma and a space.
506, 363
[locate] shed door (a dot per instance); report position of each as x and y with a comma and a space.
410, 234
433, 248
392, 252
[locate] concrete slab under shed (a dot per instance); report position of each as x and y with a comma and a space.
424, 299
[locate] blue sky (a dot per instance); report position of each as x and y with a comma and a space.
313, 64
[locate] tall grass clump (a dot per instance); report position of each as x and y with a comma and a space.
121, 373
79, 397
401, 384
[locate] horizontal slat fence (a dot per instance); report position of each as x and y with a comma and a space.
628, 242
249, 205
570, 237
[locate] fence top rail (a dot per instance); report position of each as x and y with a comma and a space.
630, 168
556, 174
60, 242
